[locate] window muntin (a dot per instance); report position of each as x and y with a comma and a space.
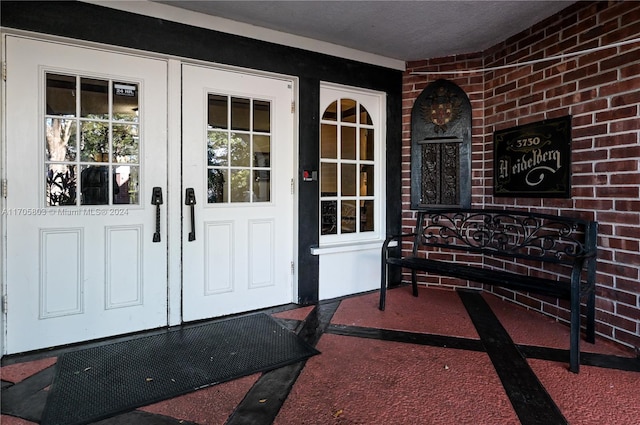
347, 171
92, 141
238, 150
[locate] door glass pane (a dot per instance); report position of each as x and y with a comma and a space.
329, 141
216, 186
217, 148
239, 149
61, 141
125, 102
261, 151
61, 95
94, 98
94, 185
125, 143
348, 143
328, 179
261, 116
126, 188
348, 180
94, 142
261, 186
60, 184
240, 186
218, 111
240, 114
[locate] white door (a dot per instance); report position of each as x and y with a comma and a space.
86, 144
238, 162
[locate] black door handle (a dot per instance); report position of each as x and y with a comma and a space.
190, 199
156, 199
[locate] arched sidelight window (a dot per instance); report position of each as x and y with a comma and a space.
350, 170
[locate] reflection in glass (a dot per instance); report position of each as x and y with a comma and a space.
126, 188
61, 95
366, 144
217, 111
261, 186
216, 186
261, 116
331, 113
366, 216
125, 101
366, 180
239, 149
94, 98
348, 143
61, 140
261, 151
348, 216
240, 186
329, 217
240, 114
94, 185
329, 141
348, 111
328, 179
348, 180
125, 143
60, 184
217, 148
94, 141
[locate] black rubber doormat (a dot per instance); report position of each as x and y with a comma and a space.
101, 382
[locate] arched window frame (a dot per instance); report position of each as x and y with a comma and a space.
375, 105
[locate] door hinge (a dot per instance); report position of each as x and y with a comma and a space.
292, 187
4, 71
4, 188
5, 305
293, 267
293, 106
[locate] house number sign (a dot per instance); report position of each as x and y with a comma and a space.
534, 160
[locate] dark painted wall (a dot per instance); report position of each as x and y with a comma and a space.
99, 24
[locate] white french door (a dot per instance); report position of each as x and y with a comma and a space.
89, 183
237, 157
85, 146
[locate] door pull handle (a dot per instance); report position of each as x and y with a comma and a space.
190, 199
156, 199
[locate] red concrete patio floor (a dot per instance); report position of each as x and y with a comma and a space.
422, 361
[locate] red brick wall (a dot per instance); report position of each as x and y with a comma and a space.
601, 90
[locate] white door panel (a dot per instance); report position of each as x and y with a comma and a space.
80, 260
238, 159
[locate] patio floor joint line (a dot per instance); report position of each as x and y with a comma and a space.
530, 400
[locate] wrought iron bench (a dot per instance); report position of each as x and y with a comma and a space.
536, 253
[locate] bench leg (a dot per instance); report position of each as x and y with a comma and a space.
591, 320
383, 285
414, 283
574, 348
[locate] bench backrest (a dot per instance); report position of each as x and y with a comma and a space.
505, 233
